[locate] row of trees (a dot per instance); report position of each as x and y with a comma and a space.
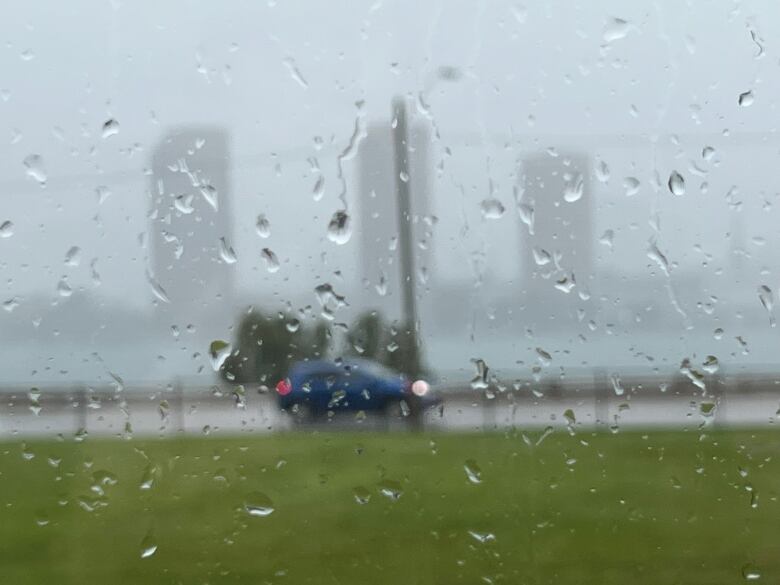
267, 345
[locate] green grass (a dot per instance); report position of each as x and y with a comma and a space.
664, 507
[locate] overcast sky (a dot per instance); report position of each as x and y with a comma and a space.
617, 81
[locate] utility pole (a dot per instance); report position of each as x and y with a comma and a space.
404, 199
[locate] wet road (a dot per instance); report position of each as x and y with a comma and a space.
160, 414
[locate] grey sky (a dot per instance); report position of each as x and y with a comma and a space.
279, 74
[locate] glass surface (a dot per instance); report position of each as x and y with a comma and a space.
542, 235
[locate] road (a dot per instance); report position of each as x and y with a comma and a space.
160, 414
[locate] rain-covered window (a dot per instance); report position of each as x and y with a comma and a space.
390, 292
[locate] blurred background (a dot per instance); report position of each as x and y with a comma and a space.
559, 217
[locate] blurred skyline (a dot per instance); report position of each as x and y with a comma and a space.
299, 103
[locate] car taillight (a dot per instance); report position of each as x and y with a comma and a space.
283, 387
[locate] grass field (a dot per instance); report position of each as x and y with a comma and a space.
664, 507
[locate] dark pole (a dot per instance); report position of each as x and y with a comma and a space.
404, 195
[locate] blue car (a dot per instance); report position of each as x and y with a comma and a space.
316, 387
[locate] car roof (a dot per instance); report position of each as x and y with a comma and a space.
331, 367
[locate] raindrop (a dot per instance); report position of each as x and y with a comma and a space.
148, 546
390, 489
110, 127
10, 304
102, 193
27, 55
615, 29
573, 190
226, 252
676, 183
218, 352
73, 256
183, 204
607, 238
35, 169
147, 479
263, 226
63, 288
157, 289
473, 472
211, 195
569, 416
711, 364
707, 153
617, 385
750, 572
543, 356
765, 296
482, 537
319, 188
631, 185
6, 229
492, 208
289, 62
658, 257
404, 176
339, 229
718, 333
258, 505
602, 172
361, 495
746, 99
271, 261
293, 325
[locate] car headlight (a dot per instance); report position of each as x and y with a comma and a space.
420, 388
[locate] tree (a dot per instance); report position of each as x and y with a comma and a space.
266, 347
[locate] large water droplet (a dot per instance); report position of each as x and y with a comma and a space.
35, 169
676, 183
339, 229
492, 208
6, 229
110, 127
258, 505
271, 260
746, 99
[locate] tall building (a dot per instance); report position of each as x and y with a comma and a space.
556, 231
191, 227
377, 228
